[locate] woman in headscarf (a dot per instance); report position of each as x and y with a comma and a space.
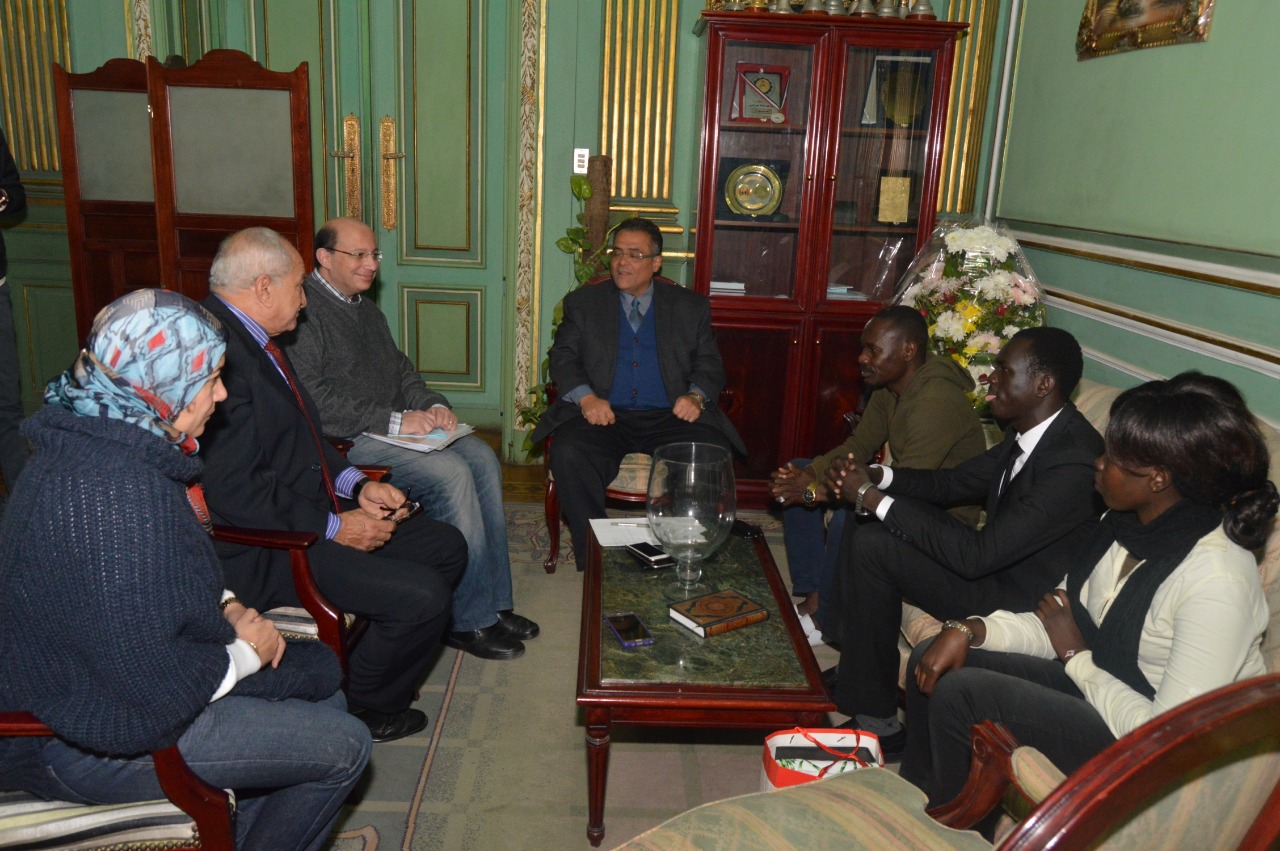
115, 627
1164, 605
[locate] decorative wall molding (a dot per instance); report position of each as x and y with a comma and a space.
1261, 359
637, 108
528, 283
1120, 365
1236, 277
140, 28
33, 35
970, 89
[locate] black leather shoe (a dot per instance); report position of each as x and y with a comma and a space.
492, 642
892, 746
388, 728
517, 626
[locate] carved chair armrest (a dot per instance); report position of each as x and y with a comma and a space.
212, 808
22, 724
990, 773
331, 623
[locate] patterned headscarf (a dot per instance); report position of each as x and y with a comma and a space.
148, 355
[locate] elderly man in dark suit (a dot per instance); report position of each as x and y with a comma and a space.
1040, 505
266, 466
638, 367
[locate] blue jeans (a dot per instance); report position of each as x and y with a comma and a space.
460, 485
812, 547
292, 763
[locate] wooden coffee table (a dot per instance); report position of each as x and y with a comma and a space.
760, 676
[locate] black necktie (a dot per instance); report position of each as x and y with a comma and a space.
1008, 470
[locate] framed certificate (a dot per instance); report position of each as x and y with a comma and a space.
760, 94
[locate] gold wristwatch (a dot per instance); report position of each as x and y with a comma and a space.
811, 494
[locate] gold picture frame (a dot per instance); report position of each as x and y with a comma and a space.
1116, 26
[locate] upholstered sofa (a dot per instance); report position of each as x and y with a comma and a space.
1094, 401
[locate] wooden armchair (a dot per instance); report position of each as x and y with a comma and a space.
1205, 775
195, 815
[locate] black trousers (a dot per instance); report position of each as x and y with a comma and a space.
1033, 697
876, 572
405, 590
585, 458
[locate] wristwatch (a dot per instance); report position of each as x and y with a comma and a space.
960, 625
811, 494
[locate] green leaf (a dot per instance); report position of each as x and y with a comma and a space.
578, 235
580, 186
567, 245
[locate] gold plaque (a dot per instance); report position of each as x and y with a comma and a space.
895, 200
753, 190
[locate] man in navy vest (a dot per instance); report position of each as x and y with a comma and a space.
638, 368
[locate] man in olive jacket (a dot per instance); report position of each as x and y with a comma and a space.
919, 408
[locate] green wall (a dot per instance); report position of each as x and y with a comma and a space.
1162, 151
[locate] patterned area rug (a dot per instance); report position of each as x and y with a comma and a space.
503, 764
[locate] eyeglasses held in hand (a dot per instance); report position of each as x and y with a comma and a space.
618, 254
375, 256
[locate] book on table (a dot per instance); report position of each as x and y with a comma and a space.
717, 612
429, 442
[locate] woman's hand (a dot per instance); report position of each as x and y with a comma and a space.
1054, 612
262, 634
949, 650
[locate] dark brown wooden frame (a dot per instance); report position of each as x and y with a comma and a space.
102, 232
188, 242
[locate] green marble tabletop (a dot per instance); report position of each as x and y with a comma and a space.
760, 655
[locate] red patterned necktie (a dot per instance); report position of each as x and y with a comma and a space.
278, 356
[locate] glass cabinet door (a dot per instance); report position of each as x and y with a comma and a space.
880, 170
759, 165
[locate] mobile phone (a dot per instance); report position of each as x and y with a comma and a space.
415, 508
649, 556
629, 629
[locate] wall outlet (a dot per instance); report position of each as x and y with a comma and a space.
580, 156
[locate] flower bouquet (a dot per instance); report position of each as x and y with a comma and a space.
975, 289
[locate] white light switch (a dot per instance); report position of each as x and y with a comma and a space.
580, 156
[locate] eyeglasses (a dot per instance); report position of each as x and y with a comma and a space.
632, 254
375, 256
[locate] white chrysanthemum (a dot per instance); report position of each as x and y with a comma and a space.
997, 286
950, 326
980, 240
1010, 330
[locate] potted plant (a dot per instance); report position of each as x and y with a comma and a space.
588, 263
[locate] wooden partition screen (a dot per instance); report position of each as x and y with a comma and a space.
104, 136
161, 164
231, 148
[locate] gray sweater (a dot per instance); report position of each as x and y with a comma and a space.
345, 357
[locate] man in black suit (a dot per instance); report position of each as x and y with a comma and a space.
638, 367
13, 446
266, 466
1040, 505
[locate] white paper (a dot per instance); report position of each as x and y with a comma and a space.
622, 531
429, 442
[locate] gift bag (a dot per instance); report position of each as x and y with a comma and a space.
796, 756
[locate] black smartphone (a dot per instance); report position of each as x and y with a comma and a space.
629, 629
415, 508
649, 556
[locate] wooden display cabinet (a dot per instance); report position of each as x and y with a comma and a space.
821, 154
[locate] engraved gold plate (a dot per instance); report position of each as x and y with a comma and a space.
753, 190
895, 200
